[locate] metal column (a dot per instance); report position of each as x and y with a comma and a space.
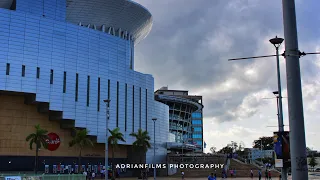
295, 105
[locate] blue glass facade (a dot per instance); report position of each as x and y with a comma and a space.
197, 123
74, 67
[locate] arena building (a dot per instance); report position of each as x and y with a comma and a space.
185, 117
59, 61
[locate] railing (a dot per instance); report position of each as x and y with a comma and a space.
259, 163
43, 176
241, 160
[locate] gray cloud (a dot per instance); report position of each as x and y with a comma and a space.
191, 41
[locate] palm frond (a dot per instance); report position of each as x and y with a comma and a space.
44, 142
30, 136
81, 139
31, 143
142, 140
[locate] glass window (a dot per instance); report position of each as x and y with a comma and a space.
64, 81
23, 71
198, 129
8, 69
196, 115
38, 72
51, 76
197, 136
88, 90
77, 86
196, 122
98, 105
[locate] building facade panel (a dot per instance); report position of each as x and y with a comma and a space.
161, 112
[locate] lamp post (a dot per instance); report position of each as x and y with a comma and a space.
154, 147
107, 101
261, 151
277, 43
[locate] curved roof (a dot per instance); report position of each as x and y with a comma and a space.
179, 100
125, 14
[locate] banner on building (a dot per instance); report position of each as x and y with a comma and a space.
282, 147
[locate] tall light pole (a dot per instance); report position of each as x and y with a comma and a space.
107, 101
298, 158
261, 150
277, 43
154, 147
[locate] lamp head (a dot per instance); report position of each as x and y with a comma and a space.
154, 119
276, 41
275, 92
106, 100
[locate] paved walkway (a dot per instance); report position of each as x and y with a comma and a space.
312, 176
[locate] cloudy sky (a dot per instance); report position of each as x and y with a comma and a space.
188, 49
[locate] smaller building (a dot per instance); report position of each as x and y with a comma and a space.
185, 117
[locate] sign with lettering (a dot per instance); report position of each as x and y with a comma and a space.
278, 163
53, 141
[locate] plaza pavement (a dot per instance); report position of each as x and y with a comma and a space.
312, 176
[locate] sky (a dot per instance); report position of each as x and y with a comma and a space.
189, 47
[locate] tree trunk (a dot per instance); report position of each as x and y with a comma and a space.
36, 159
140, 159
79, 161
112, 162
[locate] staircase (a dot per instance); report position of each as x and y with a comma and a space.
243, 169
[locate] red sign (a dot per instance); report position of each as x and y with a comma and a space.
53, 141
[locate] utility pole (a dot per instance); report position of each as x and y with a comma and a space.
299, 163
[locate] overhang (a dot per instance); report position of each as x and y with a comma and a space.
178, 99
126, 15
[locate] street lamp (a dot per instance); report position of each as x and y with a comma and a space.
261, 151
107, 101
277, 43
154, 147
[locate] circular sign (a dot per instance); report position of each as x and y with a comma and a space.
53, 141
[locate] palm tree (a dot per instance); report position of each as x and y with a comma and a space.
113, 139
142, 143
39, 137
81, 140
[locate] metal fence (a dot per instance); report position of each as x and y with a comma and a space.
42, 177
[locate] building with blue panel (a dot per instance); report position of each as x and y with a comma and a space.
197, 124
185, 117
65, 57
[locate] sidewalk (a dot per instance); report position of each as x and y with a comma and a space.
312, 176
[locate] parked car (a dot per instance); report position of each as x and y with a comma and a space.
317, 170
